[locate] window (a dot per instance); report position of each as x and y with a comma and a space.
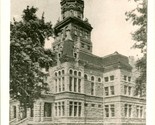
63, 84
75, 55
130, 110
125, 90
79, 85
125, 110
47, 110
70, 108
112, 109
86, 104
59, 108
56, 109
99, 106
93, 105
75, 84
75, 108
141, 111
79, 113
99, 79
75, 73
106, 110
70, 71
129, 79
55, 73
63, 72
70, 83
112, 90
63, 109
129, 90
14, 111
59, 73
106, 91
59, 85
85, 77
137, 111
125, 78
79, 74
31, 111
92, 78
92, 88
111, 78
106, 79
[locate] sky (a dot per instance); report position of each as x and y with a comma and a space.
111, 32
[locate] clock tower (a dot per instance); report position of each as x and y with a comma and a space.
72, 30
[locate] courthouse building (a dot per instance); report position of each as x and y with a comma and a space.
84, 89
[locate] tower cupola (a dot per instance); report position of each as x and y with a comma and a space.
72, 8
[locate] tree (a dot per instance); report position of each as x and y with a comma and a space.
28, 57
138, 17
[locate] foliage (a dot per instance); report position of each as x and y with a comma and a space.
28, 57
138, 17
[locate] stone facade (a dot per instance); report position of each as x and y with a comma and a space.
86, 89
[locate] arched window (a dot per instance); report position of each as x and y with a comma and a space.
75, 73
99, 79
55, 73
59, 73
70, 71
79, 74
85, 77
92, 78
63, 71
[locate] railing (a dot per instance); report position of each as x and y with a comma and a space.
21, 122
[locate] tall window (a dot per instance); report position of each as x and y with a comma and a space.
47, 109
125, 110
79, 113
92, 88
56, 113
112, 90
106, 110
55, 85
14, 111
141, 111
79, 85
75, 84
63, 84
125, 78
70, 108
59, 85
129, 79
137, 111
129, 90
63, 109
59, 108
75, 108
130, 110
112, 108
106, 91
125, 90
70, 83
